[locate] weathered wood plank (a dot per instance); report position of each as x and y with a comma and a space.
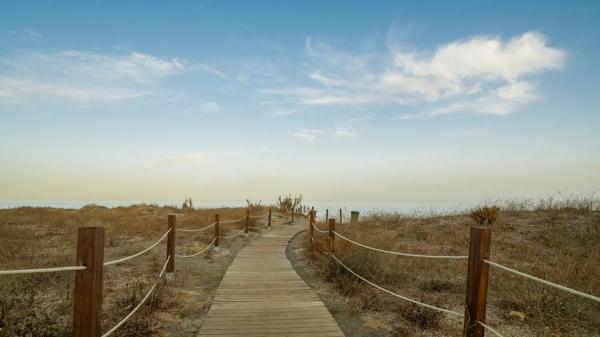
261, 295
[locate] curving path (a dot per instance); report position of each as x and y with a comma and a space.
261, 294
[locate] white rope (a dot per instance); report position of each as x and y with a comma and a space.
257, 227
196, 230
200, 252
259, 216
318, 230
232, 221
234, 235
110, 263
41, 270
490, 329
109, 332
458, 257
397, 295
548, 283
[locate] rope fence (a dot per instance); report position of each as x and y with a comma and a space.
477, 273
450, 312
111, 263
449, 257
200, 252
118, 325
42, 270
490, 329
196, 230
548, 283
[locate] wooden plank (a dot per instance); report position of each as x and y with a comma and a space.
262, 295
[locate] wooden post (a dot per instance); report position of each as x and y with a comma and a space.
171, 247
341, 219
217, 234
247, 221
88, 282
311, 229
477, 281
354, 217
327, 216
269, 225
331, 235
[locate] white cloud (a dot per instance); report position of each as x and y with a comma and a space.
481, 75
307, 135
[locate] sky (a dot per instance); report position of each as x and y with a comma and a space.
397, 101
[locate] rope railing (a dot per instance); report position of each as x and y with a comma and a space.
118, 325
259, 216
200, 252
257, 227
318, 230
234, 235
232, 221
548, 283
449, 257
197, 229
490, 329
451, 312
42, 270
111, 263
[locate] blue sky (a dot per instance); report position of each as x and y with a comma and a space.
392, 101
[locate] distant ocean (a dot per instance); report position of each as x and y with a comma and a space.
412, 208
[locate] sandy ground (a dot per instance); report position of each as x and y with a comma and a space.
351, 324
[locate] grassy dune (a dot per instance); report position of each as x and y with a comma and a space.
41, 304
554, 240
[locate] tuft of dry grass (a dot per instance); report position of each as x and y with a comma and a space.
558, 241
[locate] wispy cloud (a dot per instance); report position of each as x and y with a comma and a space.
86, 77
306, 135
481, 74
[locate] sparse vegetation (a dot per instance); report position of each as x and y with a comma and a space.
41, 304
290, 203
558, 240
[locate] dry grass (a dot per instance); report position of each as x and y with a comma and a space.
554, 240
41, 304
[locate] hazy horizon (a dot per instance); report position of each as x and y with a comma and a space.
348, 101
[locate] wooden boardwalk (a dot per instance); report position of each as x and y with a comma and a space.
261, 295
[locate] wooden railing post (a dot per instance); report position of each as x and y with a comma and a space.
327, 216
247, 221
217, 234
269, 223
171, 248
341, 219
331, 235
311, 230
88, 282
477, 281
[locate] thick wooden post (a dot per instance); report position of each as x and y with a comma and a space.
88, 282
217, 234
341, 219
477, 281
327, 216
247, 221
171, 247
269, 225
331, 235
